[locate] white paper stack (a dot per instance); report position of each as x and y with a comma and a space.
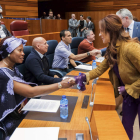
84, 67
42, 105
36, 133
100, 59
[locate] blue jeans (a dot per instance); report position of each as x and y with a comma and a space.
80, 34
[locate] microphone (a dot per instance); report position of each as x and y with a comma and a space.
94, 82
89, 127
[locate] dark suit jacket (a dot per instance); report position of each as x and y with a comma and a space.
34, 70
5, 31
103, 51
90, 26
136, 30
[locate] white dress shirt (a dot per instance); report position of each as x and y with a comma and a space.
131, 26
89, 23
2, 34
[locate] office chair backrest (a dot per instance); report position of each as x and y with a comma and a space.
50, 53
21, 67
75, 43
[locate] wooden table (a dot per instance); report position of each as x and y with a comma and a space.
69, 130
105, 124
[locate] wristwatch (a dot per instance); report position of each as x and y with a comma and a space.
88, 53
59, 85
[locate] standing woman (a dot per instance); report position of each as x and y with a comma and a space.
1, 12
123, 59
82, 26
13, 89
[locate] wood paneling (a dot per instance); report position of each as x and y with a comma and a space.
107, 126
53, 25
96, 17
19, 8
34, 26
48, 26
47, 36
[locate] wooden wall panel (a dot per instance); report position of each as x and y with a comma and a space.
53, 25
96, 16
19, 8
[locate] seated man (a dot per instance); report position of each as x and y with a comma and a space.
87, 45
63, 53
3, 31
50, 15
37, 64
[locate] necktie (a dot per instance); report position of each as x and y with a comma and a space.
45, 65
127, 29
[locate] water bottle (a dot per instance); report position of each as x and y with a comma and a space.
78, 83
64, 107
93, 64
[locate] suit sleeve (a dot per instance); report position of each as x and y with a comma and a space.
33, 65
98, 71
103, 51
71, 25
6, 31
92, 26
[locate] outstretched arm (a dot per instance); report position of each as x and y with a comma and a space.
28, 91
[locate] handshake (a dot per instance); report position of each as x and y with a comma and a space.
80, 80
95, 52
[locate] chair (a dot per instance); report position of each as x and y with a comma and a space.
19, 28
1, 134
75, 43
50, 55
74, 48
21, 67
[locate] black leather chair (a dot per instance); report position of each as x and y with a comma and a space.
74, 49
75, 43
21, 67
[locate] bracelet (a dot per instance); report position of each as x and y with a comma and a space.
88, 53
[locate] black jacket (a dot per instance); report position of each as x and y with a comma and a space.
5, 31
90, 26
34, 71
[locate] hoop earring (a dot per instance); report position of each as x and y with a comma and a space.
8, 55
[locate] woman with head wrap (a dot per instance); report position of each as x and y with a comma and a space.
13, 89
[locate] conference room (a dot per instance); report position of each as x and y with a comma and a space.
69, 70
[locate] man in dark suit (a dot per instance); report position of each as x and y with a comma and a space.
90, 24
37, 64
131, 26
3, 31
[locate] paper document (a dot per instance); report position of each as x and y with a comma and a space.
36, 133
42, 105
100, 59
84, 67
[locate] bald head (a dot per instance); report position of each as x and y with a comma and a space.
37, 41
40, 44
